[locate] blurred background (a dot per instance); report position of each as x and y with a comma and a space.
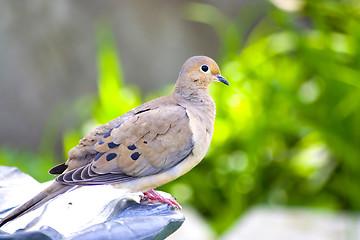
287, 132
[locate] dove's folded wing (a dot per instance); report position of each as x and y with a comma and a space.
151, 141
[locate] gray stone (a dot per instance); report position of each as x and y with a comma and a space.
296, 224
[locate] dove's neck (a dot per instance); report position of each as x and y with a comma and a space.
192, 93
200, 103
196, 98
200, 96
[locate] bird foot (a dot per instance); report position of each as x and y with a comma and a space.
153, 196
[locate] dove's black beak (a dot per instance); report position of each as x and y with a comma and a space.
222, 79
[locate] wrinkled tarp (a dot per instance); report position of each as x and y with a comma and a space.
118, 218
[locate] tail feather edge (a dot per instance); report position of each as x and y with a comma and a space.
50, 192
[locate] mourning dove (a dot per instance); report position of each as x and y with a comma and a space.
146, 147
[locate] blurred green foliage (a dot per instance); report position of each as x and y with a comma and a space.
287, 130
37, 165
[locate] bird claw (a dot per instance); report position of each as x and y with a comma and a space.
153, 196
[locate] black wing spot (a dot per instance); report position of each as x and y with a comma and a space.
98, 156
110, 156
145, 142
112, 145
131, 147
59, 169
101, 142
135, 156
144, 110
107, 135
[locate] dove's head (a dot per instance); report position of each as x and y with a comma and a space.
198, 72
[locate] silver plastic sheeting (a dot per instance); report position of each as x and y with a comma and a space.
94, 212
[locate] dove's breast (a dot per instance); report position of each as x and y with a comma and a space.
202, 126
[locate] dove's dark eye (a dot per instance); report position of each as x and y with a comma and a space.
205, 68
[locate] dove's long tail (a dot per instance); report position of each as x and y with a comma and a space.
49, 193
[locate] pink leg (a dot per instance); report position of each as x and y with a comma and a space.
153, 197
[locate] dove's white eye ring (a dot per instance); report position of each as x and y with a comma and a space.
205, 68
